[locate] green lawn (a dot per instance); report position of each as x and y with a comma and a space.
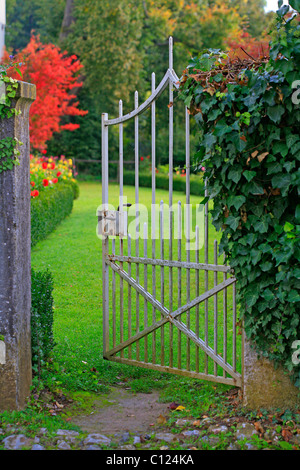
73, 255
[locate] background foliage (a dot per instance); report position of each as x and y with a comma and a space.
120, 43
249, 142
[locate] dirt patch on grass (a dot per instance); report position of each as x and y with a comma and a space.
121, 410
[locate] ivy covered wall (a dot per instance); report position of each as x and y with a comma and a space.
248, 114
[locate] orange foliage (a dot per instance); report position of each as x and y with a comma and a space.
244, 45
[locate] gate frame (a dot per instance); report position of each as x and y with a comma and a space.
109, 260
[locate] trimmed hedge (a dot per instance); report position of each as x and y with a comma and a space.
42, 341
50, 208
162, 182
74, 186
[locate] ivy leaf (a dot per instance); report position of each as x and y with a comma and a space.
249, 175
274, 167
188, 100
206, 62
280, 147
267, 294
261, 226
205, 200
281, 180
256, 189
283, 10
251, 297
235, 174
251, 237
209, 140
291, 139
288, 227
266, 266
239, 141
293, 296
275, 112
295, 4
255, 255
233, 222
236, 201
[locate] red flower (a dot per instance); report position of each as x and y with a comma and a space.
34, 193
54, 180
32, 183
45, 182
45, 165
142, 158
58, 174
52, 166
44, 152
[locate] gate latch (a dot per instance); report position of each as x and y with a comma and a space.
113, 223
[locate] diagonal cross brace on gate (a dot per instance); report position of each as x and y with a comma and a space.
171, 317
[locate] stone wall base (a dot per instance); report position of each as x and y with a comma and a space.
264, 386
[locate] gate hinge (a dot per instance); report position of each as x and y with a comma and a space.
112, 223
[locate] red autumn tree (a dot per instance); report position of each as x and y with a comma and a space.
55, 74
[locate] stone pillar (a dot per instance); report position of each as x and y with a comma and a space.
15, 264
264, 386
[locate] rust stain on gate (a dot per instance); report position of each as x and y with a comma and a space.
183, 326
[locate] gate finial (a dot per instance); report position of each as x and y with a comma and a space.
170, 53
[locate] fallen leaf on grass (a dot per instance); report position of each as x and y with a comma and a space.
286, 434
197, 422
180, 408
259, 427
161, 420
173, 406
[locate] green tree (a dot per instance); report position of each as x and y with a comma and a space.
42, 16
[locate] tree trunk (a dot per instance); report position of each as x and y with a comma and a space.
68, 20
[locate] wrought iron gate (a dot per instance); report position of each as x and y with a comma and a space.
165, 306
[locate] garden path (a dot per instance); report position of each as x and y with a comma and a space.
120, 410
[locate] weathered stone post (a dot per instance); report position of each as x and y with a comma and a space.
265, 386
15, 265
